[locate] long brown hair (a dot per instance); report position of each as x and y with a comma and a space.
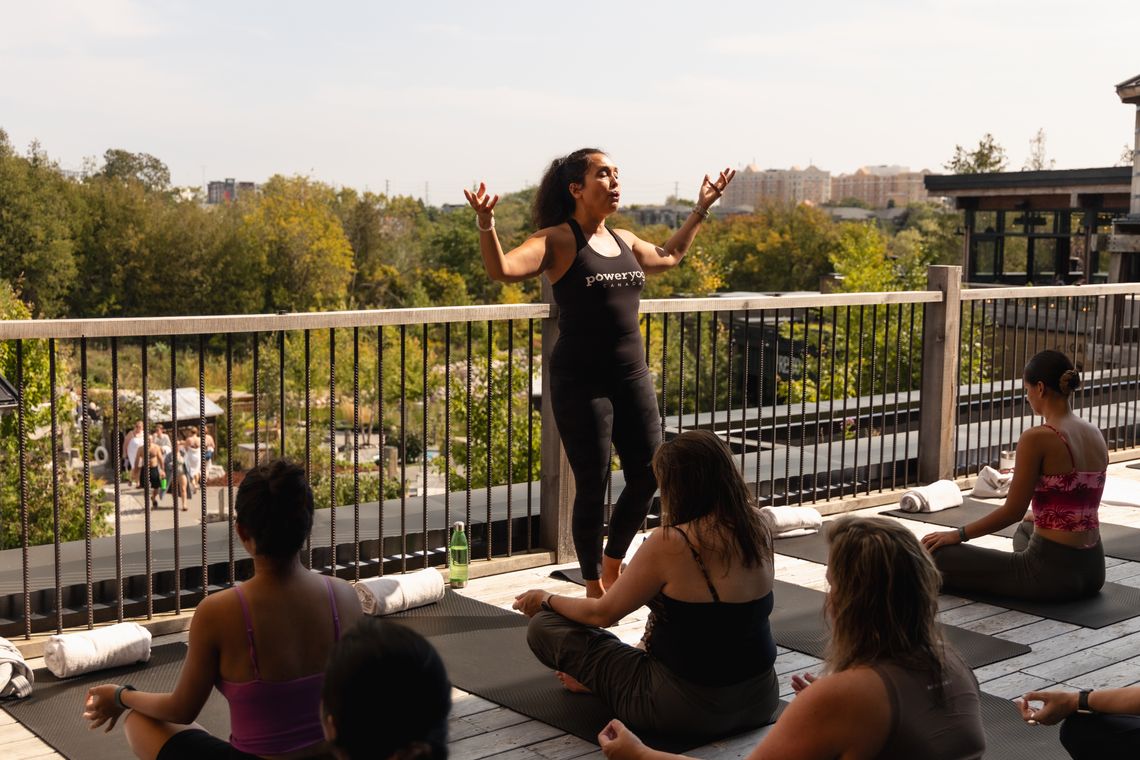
697, 477
884, 597
553, 203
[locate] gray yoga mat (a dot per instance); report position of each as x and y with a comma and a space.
53, 711
1010, 738
1119, 541
484, 648
812, 547
798, 623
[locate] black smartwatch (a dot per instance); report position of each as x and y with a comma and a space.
962, 533
1083, 702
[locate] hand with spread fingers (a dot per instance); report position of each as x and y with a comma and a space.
711, 189
1055, 707
484, 205
100, 707
935, 541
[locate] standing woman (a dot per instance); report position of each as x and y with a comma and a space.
600, 387
1060, 472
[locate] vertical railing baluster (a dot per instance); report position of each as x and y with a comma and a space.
883, 393
308, 452
55, 500
969, 392
664, 370
22, 453
355, 453
681, 375
174, 504
859, 401
116, 459
467, 446
232, 571
424, 435
490, 397
744, 408
871, 391
831, 403
697, 375
447, 442
803, 402
332, 449
510, 431
1018, 323
85, 432
403, 448
383, 460
203, 533
846, 380
1000, 379
1133, 378
818, 405
146, 484
898, 393
280, 392
775, 400
257, 400
910, 391
1097, 334
530, 428
714, 325
728, 385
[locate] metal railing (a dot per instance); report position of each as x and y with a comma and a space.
820, 396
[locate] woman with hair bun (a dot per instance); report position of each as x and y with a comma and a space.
1059, 472
600, 387
262, 644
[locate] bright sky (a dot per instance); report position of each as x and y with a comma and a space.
442, 93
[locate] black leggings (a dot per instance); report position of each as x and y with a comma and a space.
590, 413
1101, 737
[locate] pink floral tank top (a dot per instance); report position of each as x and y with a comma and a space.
1069, 501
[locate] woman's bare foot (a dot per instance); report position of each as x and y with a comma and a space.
594, 589
570, 683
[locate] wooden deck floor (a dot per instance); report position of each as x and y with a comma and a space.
1062, 654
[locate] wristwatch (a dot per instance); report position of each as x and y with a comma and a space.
962, 534
1083, 702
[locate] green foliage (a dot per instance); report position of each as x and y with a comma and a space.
988, 157
40, 488
779, 248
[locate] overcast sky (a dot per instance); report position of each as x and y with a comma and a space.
444, 93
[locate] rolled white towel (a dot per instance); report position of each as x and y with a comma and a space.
793, 521
992, 484
16, 677
72, 654
396, 593
937, 496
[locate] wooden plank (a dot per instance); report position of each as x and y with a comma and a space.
495, 742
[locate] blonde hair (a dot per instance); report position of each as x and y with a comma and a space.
884, 597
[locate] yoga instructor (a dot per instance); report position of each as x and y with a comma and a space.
600, 387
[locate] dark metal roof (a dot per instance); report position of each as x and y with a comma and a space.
1013, 181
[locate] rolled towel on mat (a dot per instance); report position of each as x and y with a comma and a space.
396, 593
73, 654
1120, 492
16, 677
992, 484
937, 496
793, 521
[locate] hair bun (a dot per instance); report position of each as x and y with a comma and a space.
1070, 380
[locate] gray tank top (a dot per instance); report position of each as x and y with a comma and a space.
921, 725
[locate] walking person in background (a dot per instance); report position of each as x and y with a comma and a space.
131, 443
149, 465
192, 452
601, 390
1060, 472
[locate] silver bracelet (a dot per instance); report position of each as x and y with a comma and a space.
481, 228
703, 213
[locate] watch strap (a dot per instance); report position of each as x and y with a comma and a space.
1083, 702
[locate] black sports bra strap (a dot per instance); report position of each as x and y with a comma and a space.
579, 236
700, 564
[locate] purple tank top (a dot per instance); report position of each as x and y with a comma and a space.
275, 717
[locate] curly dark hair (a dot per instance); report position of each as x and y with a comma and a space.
553, 203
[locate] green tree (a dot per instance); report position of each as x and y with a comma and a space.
781, 247
988, 157
143, 168
38, 211
1036, 160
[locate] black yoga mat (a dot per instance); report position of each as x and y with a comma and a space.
484, 648
54, 710
572, 574
1119, 541
798, 623
1010, 738
812, 547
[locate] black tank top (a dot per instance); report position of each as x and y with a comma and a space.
711, 643
597, 302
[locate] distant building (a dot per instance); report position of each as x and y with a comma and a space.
227, 190
881, 186
671, 215
753, 185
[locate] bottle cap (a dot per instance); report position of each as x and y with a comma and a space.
458, 525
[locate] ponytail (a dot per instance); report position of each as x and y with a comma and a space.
553, 203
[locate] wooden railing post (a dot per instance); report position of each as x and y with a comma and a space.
556, 492
940, 345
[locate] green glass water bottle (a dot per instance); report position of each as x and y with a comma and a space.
457, 556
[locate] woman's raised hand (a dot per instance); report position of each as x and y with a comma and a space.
483, 203
712, 189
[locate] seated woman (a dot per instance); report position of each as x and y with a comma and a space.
706, 670
250, 642
892, 688
1099, 725
1060, 470
362, 719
